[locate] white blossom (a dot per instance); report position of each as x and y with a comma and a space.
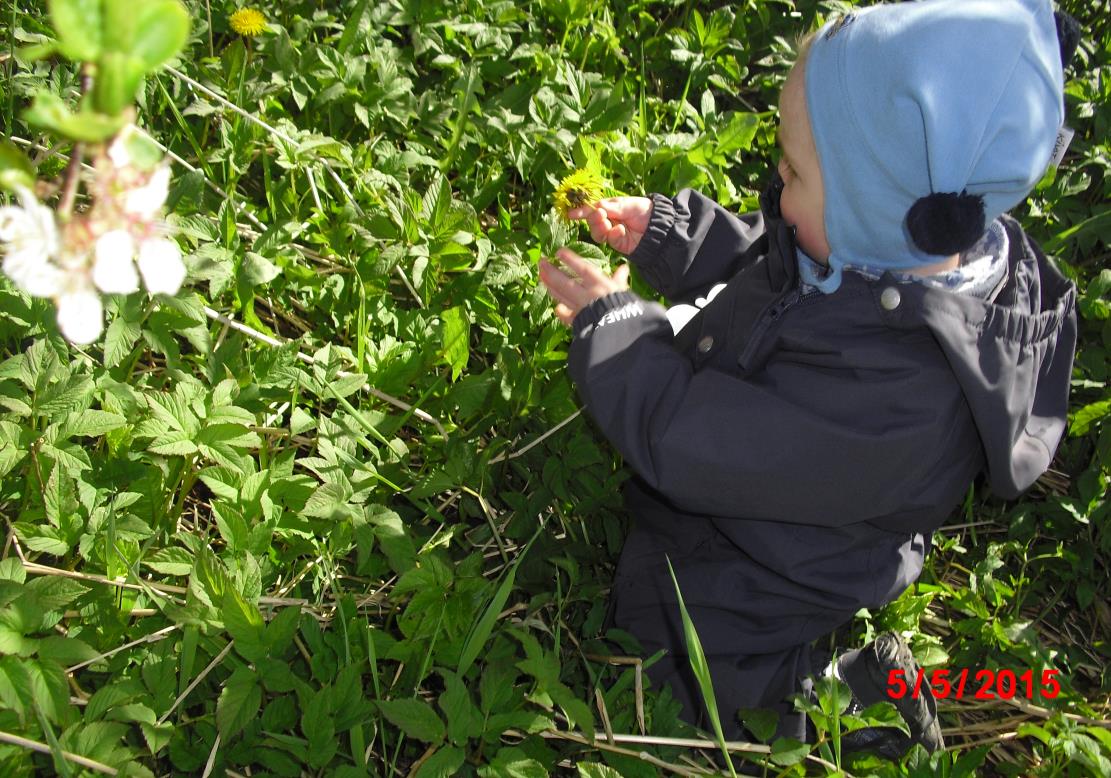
117, 151
146, 201
80, 313
32, 239
161, 266
114, 268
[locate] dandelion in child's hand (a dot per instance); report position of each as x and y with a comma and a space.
247, 22
583, 187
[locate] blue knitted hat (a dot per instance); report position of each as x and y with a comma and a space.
930, 118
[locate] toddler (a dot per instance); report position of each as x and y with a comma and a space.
839, 366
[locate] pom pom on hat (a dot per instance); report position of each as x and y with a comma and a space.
945, 223
1068, 36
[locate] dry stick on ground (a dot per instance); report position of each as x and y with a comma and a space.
538, 441
211, 757
196, 681
733, 746
43, 748
151, 638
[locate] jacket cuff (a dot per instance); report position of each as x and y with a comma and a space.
660, 222
612, 307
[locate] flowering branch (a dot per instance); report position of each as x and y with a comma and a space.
73, 169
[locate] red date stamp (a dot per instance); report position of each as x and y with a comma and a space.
978, 685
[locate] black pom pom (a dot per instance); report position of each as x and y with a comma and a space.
1068, 36
945, 223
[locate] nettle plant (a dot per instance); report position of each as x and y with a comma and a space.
71, 257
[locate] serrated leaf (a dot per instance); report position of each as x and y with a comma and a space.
239, 702
464, 720
788, 751
92, 423
244, 623
55, 592
257, 270
48, 687
15, 685
456, 339
282, 629
119, 339
65, 651
761, 722
318, 724
511, 762
596, 770
415, 718
174, 443
11, 569
170, 561
445, 763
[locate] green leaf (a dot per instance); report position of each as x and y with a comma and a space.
244, 623
1082, 420
65, 650
48, 686
577, 711
282, 629
15, 169
11, 569
595, 770
170, 561
511, 762
15, 685
456, 339
49, 112
761, 722
701, 670
788, 751
415, 718
161, 30
239, 702
92, 423
319, 725
257, 270
483, 628
445, 763
464, 720
77, 24
55, 593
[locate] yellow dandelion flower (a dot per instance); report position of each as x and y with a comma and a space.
583, 187
247, 22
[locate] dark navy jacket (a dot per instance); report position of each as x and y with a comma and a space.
793, 451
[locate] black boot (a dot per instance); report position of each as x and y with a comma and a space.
867, 670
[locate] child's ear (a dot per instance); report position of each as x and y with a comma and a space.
1068, 36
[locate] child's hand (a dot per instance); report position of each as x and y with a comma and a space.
618, 221
573, 294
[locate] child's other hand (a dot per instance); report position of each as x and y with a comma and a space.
573, 294
617, 221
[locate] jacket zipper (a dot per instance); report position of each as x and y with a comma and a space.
771, 314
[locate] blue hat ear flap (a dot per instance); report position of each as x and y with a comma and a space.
1068, 36
945, 223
